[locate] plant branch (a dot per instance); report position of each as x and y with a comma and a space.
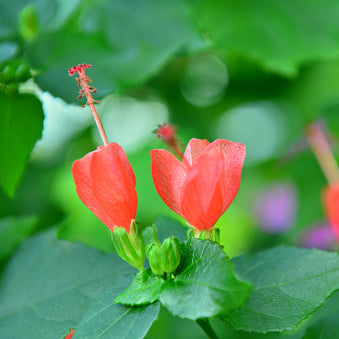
206, 327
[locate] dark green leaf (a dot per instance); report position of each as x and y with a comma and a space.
20, 128
107, 320
326, 328
13, 230
49, 284
144, 289
120, 43
167, 227
206, 284
289, 284
278, 34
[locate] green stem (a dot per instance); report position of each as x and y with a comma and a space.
206, 327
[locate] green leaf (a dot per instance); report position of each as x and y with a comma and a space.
20, 128
289, 284
107, 320
206, 284
13, 230
167, 227
120, 43
326, 328
49, 284
279, 34
144, 289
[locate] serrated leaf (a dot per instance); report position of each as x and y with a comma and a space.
13, 230
279, 34
289, 284
21, 126
206, 284
49, 284
106, 320
120, 43
144, 289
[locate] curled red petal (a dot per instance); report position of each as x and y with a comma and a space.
193, 149
203, 193
105, 183
168, 175
234, 156
331, 202
70, 334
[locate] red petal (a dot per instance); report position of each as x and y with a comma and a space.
168, 175
234, 157
70, 334
203, 195
331, 201
105, 183
193, 149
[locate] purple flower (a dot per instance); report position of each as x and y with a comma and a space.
319, 236
275, 208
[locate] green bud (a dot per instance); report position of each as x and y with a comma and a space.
153, 252
170, 255
130, 246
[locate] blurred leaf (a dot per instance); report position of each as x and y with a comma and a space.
28, 22
206, 284
326, 328
13, 230
144, 289
125, 41
289, 285
279, 34
49, 284
8, 49
107, 320
50, 14
20, 128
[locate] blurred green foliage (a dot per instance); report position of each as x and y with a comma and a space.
252, 72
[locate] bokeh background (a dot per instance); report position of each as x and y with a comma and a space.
252, 72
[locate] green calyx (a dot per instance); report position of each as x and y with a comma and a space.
130, 246
212, 234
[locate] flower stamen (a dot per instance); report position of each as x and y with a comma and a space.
86, 90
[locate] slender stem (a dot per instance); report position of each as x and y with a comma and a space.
206, 327
322, 152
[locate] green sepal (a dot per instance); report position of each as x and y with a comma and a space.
130, 246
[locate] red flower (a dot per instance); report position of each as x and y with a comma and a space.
204, 184
105, 183
331, 202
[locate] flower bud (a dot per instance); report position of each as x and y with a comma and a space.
170, 255
130, 246
154, 258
